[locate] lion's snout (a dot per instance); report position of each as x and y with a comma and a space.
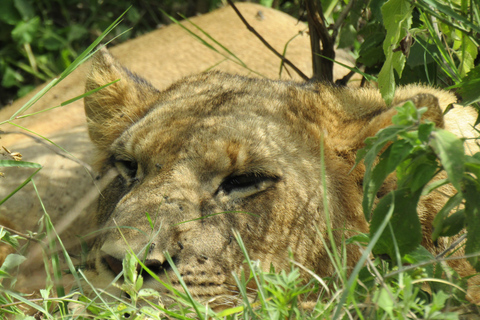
154, 265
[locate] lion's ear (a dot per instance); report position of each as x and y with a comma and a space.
431, 102
111, 110
370, 115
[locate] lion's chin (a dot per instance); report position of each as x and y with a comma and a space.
165, 293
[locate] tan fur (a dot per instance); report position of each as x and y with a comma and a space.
214, 153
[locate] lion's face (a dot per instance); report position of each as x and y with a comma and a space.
211, 155
217, 154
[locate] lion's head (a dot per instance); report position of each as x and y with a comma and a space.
216, 154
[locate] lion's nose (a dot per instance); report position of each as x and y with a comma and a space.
154, 265
113, 263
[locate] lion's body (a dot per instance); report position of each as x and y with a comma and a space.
215, 154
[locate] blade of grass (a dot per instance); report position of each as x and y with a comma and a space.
368, 77
27, 302
44, 138
429, 5
215, 214
326, 208
242, 287
57, 271
23, 164
215, 41
363, 258
79, 60
168, 287
453, 72
193, 303
211, 47
250, 265
97, 294
65, 103
284, 53
20, 186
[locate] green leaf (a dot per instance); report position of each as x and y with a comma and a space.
25, 8
130, 268
361, 238
449, 149
397, 18
384, 301
8, 13
386, 81
24, 90
347, 36
453, 224
13, 163
52, 41
371, 52
467, 52
439, 226
469, 88
418, 255
425, 129
148, 293
423, 171
11, 78
472, 164
418, 56
451, 13
408, 114
138, 282
76, 32
404, 222
12, 261
389, 160
26, 31
472, 212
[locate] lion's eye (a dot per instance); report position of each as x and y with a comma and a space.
245, 181
127, 168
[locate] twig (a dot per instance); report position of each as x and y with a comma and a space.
55, 150
341, 18
321, 42
452, 246
251, 29
343, 82
379, 279
18, 233
427, 262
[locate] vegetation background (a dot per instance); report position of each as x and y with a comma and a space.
39, 39
394, 42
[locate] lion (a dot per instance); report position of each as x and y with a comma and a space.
215, 154
66, 184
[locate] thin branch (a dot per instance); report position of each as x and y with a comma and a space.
251, 29
321, 41
18, 233
427, 262
343, 82
341, 18
452, 246
55, 150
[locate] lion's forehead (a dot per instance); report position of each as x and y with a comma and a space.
233, 134
209, 145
